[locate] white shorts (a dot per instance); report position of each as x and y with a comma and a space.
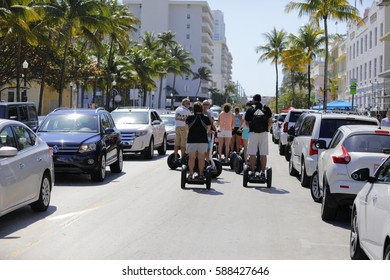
196, 147
225, 133
258, 141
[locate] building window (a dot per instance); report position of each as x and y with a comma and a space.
381, 30
353, 73
357, 48
365, 43
361, 72
188, 26
370, 39
188, 36
357, 73
350, 52
381, 64
353, 51
376, 36
369, 69
188, 16
375, 65
365, 71
188, 6
361, 45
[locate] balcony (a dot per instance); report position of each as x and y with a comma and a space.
383, 3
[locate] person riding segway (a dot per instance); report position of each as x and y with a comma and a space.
197, 144
259, 119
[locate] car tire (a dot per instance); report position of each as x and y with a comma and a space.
315, 188
44, 194
163, 149
100, 174
287, 152
282, 148
386, 256
291, 170
356, 252
149, 152
305, 180
117, 166
327, 212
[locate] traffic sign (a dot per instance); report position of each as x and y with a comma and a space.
352, 87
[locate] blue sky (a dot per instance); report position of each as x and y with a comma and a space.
246, 21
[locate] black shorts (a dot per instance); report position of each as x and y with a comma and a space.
236, 131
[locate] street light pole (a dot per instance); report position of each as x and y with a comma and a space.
171, 101
25, 66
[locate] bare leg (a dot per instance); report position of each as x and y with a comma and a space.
191, 162
263, 160
227, 146
201, 160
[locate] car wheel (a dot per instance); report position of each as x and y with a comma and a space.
273, 138
287, 153
100, 174
327, 212
149, 152
305, 180
387, 253
44, 195
282, 148
291, 170
315, 188
117, 166
356, 252
163, 149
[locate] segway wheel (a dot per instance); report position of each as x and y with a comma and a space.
183, 176
171, 161
269, 177
233, 157
208, 177
238, 165
215, 172
245, 176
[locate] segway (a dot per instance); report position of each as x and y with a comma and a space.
196, 180
215, 164
249, 178
238, 163
176, 163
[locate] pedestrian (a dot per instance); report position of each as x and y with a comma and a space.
237, 132
386, 121
181, 129
245, 132
259, 119
226, 125
197, 142
208, 113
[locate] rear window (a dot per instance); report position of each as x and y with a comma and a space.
367, 143
329, 126
294, 116
2, 112
281, 118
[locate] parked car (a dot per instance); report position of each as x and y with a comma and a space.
170, 128
142, 130
83, 141
293, 130
26, 168
317, 126
274, 120
352, 147
370, 219
24, 112
289, 121
277, 126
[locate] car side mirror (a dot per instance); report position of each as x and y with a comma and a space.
362, 174
290, 138
155, 122
320, 144
109, 130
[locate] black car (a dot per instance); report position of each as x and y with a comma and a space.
24, 112
83, 141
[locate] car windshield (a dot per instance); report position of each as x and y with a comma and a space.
168, 120
329, 126
70, 123
281, 118
294, 116
130, 117
367, 143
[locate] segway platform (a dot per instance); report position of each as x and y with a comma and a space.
248, 178
196, 180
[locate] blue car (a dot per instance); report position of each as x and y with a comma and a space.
83, 141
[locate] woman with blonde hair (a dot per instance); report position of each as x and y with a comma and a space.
226, 125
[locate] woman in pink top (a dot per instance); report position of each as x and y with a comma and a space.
226, 125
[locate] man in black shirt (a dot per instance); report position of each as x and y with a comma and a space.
197, 141
259, 119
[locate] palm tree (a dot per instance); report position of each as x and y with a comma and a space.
230, 90
272, 50
324, 10
204, 75
310, 41
182, 63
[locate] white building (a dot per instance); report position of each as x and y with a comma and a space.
192, 23
368, 60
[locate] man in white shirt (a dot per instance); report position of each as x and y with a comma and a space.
386, 121
181, 114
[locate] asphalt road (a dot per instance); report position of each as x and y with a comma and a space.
143, 214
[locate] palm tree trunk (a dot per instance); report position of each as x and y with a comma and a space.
18, 62
160, 92
277, 88
62, 78
326, 63
308, 85
196, 95
42, 87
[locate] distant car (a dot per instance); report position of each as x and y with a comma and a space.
24, 112
289, 121
170, 128
370, 219
26, 168
142, 130
351, 148
277, 126
83, 141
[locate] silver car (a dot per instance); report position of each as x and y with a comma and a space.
26, 168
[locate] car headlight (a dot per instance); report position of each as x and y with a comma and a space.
140, 133
87, 148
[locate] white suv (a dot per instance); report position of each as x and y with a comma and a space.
317, 126
142, 131
289, 121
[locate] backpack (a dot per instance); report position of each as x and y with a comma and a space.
259, 122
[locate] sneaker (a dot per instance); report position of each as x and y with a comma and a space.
257, 174
201, 177
262, 176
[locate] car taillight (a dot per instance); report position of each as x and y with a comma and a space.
285, 127
382, 132
51, 151
344, 158
313, 148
